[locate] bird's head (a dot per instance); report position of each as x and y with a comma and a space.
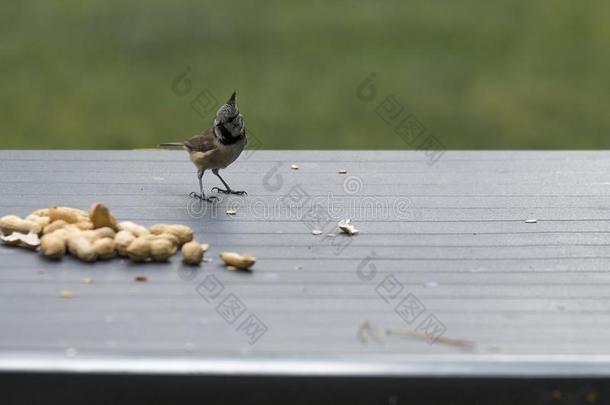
229, 117
228, 110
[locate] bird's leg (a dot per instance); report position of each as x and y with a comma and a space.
228, 189
201, 196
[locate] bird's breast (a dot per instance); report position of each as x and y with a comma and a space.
227, 154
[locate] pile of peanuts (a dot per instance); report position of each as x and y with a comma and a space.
96, 235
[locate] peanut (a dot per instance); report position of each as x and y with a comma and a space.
70, 215
101, 217
62, 233
84, 225
104, 248
52, 246
167, 236
29, 241
12, 223
99, 233
236, 260
53, 226
43, 212
192, 253
42, 221
123, 239
139, 249
96, 235
80, 247
182, 232
12, 239
161, 249
137, 230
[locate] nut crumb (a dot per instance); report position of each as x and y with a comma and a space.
230, 212
231, 268
347, 228
531, 221
316, 232
28, 241
294, 167
66, 294
342, 171
141, 277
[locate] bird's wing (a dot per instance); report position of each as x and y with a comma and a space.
204, 142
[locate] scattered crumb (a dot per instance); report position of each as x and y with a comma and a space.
531, 221
367, 329
230, 212
332, 235
141, 277
231, 268
87, 280
294, 167
66, 294
316, 232
347, 228
342, 171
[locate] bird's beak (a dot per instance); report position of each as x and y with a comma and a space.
231, 100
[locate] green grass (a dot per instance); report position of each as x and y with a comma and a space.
477, 74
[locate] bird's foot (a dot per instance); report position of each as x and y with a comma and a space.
203, 197
229, 191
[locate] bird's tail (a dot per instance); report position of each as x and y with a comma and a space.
171, 145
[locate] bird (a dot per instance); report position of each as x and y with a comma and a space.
217, 147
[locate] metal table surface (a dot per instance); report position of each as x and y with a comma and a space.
444, 253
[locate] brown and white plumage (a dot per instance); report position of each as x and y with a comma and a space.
219, 146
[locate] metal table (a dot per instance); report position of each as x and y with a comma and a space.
482, 271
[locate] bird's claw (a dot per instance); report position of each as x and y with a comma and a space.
223, 191
203, 198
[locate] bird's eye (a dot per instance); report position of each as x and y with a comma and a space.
231, 119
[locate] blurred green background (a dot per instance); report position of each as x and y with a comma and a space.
478, 74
